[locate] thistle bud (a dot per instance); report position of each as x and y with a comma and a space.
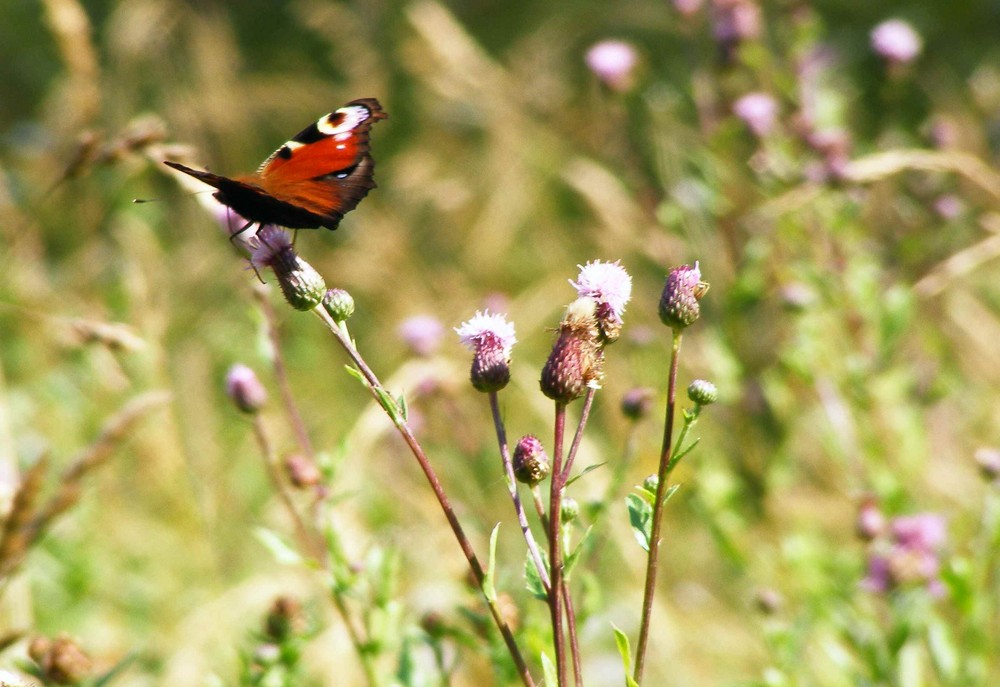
491, 339
637, 402
245, 390
530, 462
577, 360
569, 509
302, 286
870, 523
679, 302
339, 304
302, 472
702, 392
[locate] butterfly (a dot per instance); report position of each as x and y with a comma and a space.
312, 180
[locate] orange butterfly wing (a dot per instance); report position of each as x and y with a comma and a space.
312, 180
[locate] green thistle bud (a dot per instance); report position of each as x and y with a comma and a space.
679, 303
339, 304
650, 484
702, 392
570, 509
530, 462
302, 286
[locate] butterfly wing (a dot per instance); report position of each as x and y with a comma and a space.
326, 168
312, 180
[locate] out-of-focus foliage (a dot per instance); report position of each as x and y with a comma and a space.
851, 328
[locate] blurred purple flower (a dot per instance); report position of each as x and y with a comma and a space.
422, 333
245, 390
896, 41
911, 556
735, 21
759, 111
614, 63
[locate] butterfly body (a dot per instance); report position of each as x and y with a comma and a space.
312, 180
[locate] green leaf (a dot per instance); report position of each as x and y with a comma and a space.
944, 653
401, 404
489, 589
625, 651
356, 373
549, 671
589, 468
670, 492
640, 517
281, 549
532, 580
574, 557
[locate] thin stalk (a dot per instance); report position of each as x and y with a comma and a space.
522, 519
661, 490
339, 330
555, 545
311, 545
588, 401
281, 374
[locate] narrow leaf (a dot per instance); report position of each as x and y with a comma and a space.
532, 580
640, 517
549, 671
625, 650
489, 590
589, 468
282, 550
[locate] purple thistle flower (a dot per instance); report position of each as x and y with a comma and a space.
245, 390
925, 531
896, 41
491, 339
607, 283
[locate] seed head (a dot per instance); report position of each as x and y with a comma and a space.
530, 462
302, 286
491, 339
679, 303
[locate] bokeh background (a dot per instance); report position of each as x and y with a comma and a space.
849, 227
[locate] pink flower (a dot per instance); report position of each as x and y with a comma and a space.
896, 41
245, 390
614, 63
491, 339
422, 333
607, 283
926, 531
759, 111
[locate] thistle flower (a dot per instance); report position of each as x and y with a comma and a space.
611, 288
530, 461
245, 390
679, 303
302, 286
614, 63
491, 339
422, 333
896, 41
577, 359
910, 557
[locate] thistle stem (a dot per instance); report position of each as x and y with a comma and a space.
378, 392
661, 490
555, 545
522, 518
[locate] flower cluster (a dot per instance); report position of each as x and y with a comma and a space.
906, 553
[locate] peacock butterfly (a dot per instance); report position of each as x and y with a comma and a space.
311, 181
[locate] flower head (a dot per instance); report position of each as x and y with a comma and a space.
530, 462
422, 333
611, 287
614, 63
245, 390
896, 41
679, 303
909, 556
302, 286
577, 359
491, 339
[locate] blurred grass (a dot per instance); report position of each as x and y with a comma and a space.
851, 329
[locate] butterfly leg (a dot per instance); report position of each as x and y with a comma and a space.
232, 237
